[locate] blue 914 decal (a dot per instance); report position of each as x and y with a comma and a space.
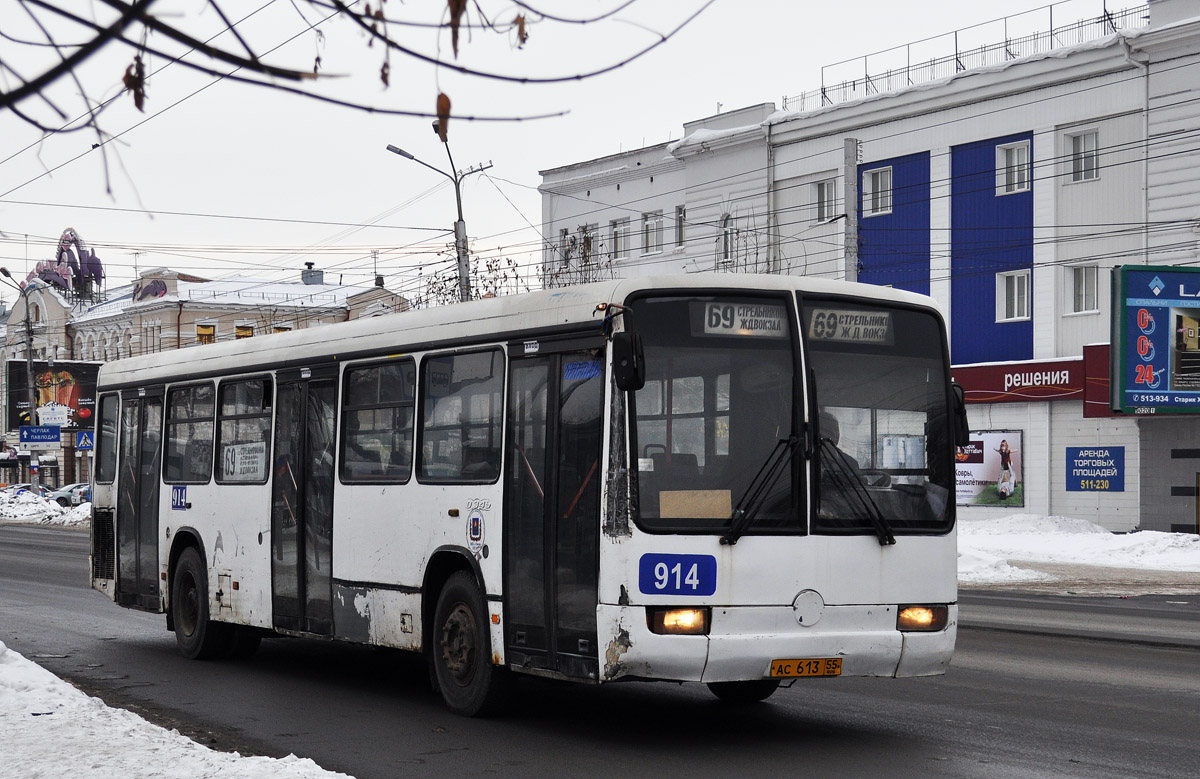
677, 574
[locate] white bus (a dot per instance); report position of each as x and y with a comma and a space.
730, 479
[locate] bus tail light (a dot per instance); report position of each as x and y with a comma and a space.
922, 618
677, 622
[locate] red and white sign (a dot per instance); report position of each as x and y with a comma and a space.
1021, 382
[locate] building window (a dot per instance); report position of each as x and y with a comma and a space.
1012, 296
726, 238
1085, 280
824, 193
1085, 156
243, 331
1012, 168
206, 334
680, 221
619, 235
282, 328
564, 245
652, 227
587, 242
877, 192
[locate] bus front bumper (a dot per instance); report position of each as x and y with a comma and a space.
743, 642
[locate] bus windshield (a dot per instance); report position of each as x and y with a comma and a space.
718, 401
883, 463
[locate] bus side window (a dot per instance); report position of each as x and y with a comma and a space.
190, 412
377, 423
461, 415
106, 439
244, 431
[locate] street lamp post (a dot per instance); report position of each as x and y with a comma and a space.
24, 292
460, 227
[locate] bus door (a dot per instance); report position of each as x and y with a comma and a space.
137, 497
302, 500
552, 477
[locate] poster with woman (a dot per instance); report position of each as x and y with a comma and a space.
988, 469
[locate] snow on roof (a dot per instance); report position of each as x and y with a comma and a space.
236, 291
928, 86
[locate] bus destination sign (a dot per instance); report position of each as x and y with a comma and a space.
745, 319
852, 326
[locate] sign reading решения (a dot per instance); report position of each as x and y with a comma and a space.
1095, 469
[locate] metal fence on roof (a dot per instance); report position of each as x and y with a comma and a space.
1021, 35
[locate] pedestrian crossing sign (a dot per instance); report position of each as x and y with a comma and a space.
84, 439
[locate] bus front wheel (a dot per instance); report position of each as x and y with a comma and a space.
462, 649
744, 692
198, 637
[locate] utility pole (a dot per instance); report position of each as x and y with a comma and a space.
460, 227
33, 457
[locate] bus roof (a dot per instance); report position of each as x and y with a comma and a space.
510, 316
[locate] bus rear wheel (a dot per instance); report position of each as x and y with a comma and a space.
198, 637
462, 650
744, 692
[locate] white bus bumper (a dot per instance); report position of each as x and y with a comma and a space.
743, 641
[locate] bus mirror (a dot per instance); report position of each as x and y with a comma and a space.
962, 429
629, 367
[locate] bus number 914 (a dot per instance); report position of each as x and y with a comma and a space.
677, 574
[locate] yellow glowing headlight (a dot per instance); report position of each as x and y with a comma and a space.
922, 618
678, 622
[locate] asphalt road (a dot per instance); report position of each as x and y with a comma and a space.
1040, 687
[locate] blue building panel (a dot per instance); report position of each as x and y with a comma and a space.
991, 233
893, 248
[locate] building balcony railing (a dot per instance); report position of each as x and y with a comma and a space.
1022, 35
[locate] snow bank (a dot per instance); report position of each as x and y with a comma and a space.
986, 545
50, 729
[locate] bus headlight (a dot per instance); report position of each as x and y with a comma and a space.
677, 622
922, 618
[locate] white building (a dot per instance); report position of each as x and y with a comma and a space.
1007, 191
73, 327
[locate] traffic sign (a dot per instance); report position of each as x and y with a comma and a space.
40, 437
84, 439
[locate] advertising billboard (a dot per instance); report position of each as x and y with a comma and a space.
988, 470
1156, 339
64, 394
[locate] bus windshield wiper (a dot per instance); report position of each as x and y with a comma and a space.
844, 477
756, 493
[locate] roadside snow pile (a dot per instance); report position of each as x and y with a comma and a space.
52, 729
28, 507
75, 517
985, 547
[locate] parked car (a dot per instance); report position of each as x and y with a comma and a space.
13, 490
70, 494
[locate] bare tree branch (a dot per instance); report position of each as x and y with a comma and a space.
134, 23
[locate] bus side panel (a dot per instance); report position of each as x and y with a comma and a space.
233, 524
372, 615
103, 558
385, 535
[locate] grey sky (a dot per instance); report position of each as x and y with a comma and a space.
219, 163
